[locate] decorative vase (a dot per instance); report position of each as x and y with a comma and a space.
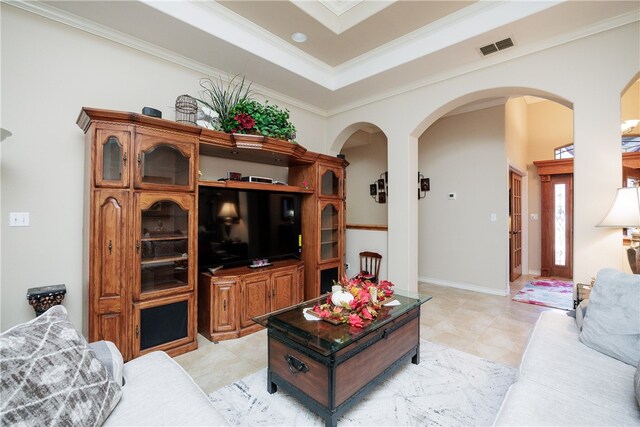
340, 297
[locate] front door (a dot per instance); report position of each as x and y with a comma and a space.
515, 226
557, 225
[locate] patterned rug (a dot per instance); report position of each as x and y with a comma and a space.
447, 388
549, 293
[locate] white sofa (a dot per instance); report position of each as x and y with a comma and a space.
50, 376
158, 392
563, 382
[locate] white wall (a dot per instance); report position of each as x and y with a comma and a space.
586, 73
459, 244
49, 71
366, 163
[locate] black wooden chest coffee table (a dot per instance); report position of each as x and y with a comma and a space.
328, 367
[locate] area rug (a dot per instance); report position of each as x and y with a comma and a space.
447, 388
549, 293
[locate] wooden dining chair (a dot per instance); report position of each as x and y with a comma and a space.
370, 262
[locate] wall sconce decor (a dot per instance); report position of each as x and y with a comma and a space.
380, 189
424, 185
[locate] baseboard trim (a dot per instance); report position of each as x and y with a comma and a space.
465, 286
535, 272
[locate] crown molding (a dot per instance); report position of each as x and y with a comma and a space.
340, 19
55, 14
91, 27
224, 24
461, 25
487, 62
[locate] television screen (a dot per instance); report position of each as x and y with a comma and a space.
236, 227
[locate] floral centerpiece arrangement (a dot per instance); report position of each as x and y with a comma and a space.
354, 301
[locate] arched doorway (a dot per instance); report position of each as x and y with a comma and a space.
365, 148
472, 155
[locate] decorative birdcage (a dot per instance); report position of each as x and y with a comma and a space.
186, 109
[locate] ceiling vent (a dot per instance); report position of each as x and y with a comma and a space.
494, 47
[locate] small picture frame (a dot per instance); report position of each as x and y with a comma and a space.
234, 176
382, 197
381, 184
373, 190
424, 184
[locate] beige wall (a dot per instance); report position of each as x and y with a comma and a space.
366, 163
459, 243
404, 117
49, 71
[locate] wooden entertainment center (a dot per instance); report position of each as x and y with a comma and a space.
142, 286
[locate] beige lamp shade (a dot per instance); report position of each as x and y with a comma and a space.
228, 211
625, 210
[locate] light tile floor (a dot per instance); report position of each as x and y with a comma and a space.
492, 327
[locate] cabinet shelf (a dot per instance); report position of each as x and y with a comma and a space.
163, 259
329, 242
243, 185
165, 237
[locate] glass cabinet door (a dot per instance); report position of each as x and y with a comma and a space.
164, 163
163, 248
112, 158
330, 182
329, 231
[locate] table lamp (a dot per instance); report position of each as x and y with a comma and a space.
625, 213
228, 213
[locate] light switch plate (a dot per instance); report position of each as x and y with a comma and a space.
18, 219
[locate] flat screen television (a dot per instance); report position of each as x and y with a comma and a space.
236, 227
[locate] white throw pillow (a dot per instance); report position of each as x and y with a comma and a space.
612, 324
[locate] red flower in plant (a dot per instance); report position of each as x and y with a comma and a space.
245, 121
355, 321
366, 314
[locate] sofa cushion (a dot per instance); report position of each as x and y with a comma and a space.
612, 324
581, 312
50, 377
528, 403
158, 392
556, 359
111, 358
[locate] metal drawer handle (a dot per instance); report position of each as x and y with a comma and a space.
385, 334
296, 365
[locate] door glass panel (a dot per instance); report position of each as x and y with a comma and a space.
329, 233
163, 324
164, 247
111, 160
330, 184
560, 223
164, 164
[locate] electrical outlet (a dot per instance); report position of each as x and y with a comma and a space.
347, 266
18, 219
